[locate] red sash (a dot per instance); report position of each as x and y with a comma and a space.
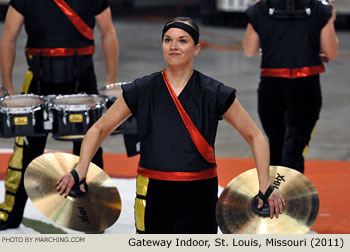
201, 144
87, 50
81, 26
178, 176
292, 73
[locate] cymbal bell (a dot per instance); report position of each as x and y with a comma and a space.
95, 211
234, 212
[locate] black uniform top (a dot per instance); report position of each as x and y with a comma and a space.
48, 27
289, 42
165, 142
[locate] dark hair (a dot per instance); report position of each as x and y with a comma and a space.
184, 19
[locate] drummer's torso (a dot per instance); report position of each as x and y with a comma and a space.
48, 27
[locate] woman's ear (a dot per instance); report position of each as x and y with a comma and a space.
197, 49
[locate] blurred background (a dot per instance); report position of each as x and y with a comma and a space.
213, 12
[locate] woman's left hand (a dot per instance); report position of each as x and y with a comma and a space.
276, 203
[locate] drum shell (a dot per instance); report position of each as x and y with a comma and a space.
64, 124
72, 115
109, 100
127, 127
22, 124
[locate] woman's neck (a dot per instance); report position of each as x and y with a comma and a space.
178, 78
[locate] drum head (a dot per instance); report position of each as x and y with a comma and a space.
81, 99
21, 101
113, 90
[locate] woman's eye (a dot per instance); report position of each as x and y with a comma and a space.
166, 40
182, 41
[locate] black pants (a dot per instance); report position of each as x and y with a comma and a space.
181, 207
34, 146
289, 110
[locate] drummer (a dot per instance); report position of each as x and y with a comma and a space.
177, 184
59, 53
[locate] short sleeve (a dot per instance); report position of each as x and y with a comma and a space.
101, 5
252, 17
325, 13
130, 96
19, 5
225, 97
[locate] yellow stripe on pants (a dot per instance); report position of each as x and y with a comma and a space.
14, 171
13, 178
140, 204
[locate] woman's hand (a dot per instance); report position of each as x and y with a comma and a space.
66, 183
276, 203
324, 58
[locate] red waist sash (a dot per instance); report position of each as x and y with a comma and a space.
87, 50
177, 176
292, 73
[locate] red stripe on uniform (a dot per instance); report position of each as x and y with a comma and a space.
82, 27
88, 50
292, 73
199, 141
178, 176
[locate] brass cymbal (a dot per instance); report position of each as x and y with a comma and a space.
234, 212
95, 211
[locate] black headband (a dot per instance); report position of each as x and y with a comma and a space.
187, 28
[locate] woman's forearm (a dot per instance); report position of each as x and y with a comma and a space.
261, 155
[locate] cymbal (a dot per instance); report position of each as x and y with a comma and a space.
95, 211
234, 212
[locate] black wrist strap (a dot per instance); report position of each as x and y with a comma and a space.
75, 191
75, 176
267, 194
265, 209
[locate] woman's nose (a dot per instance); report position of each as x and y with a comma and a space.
173, 45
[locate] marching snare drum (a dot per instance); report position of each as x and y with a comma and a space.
21, 115
73, 115
112, 92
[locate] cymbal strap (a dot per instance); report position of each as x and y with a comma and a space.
75, 176
265, 209
267, 194
75, 191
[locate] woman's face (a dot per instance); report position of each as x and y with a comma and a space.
178, 47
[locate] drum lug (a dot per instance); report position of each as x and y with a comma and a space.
87, 117
33, 118
64, 118
8, 123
